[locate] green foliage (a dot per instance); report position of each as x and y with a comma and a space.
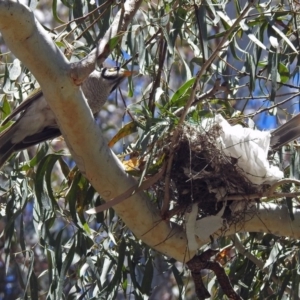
76, 256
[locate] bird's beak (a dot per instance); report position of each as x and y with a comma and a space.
127, 73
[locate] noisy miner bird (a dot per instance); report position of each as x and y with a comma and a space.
37, 123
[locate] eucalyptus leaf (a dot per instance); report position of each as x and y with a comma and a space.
15, 70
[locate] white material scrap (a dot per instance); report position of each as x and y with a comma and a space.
249, 146
190, 224
202, 228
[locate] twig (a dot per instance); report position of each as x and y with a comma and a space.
90, 26
268, 194
156, 84
130, 192
259, 195
80, 70
273, 106
206, 65
212, 58
85, 16
280, 182
210, 93
146, 44
200, 262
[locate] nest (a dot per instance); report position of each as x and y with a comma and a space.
201, 173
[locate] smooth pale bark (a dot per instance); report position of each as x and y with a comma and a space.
271, 218
26, 38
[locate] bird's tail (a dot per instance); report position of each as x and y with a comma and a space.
6, 144
286, 133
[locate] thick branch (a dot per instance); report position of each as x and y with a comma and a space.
35, 49
271, 218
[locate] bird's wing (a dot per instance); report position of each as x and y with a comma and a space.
7, 147
48, 133
36, 94
286, 133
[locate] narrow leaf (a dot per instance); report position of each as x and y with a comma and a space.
183, 90
128, 129
148, 277
15, 70
54, 11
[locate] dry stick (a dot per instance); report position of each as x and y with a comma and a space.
91, 25
162, 56
273, 106
81, 70
280, 182
85, 16
267, 79
128, 193
206, 65
270, 193
177, 209
125, 105
215, 89
258, 97
267, 108
257, 76
146, 44
259, 195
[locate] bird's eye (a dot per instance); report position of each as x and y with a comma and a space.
111, 73
114, 69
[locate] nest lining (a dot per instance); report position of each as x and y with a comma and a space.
201, 173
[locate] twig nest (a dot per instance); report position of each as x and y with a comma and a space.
214, 160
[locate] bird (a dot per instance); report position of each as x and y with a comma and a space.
36, 122
285, 133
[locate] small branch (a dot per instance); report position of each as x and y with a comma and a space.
104, 5
257, 76
204, 68
209, 94
201, 262
259, 263
273, 106
212, 57
154, 36
280, 182
81, 70
278, 82
146, 184
268, 194
156, 84
264, 195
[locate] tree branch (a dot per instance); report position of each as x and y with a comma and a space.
82, 69
268, 217
34, 47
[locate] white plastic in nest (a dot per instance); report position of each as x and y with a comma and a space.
249, 146
190, 224
202, 228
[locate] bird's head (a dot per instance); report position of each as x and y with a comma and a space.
114, 76
99, 85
